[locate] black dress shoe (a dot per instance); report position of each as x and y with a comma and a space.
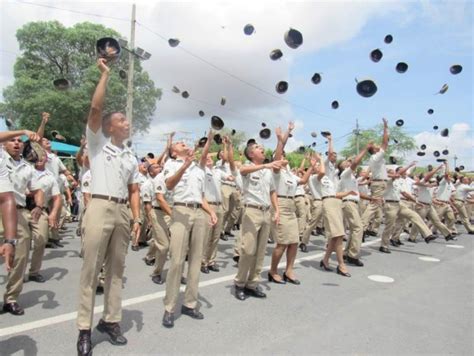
272, 279
183, 280
135, 248
236, 259
224, 237
430, 238
13, 308
240, 293
450, 237
399, 243
411, 240
57, 243
303, 247
50, 245
289, 280
257, 293
345, 274
229, 234
84, 343
270, 241
149, 262
36, 278
213, 268
384, 249
371, 233
393, 243
205, 269
168, 320
99, 290
113, 330
192, 312
471, 232
354, 261
324, 267
236, 227
157, 279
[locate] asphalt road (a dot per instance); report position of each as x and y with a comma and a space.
426, 309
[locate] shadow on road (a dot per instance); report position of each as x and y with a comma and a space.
20, 343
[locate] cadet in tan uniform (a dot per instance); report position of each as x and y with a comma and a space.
459, 200
188, 228
333, 218
425, 208
395, 211
379, 176
350, 208
442, 203
286, 233
23, 177
107, 221
48, 219
212, 192
258, 194
7, 199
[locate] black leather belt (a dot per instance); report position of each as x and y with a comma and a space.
109, 198
20, 207
189, 205
379, 180
301, 195
462, 201
329, 196
317, 199
259, 207
214, 203
229, 184
444, 201
420, 202
157, 207
351, 201
392, 201
285, 197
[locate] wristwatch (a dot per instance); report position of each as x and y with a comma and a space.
12, 242
138, 221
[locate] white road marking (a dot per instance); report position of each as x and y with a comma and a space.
428, 259
455, 246
380, 278
141, 299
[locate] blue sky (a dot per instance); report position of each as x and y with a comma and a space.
338, 37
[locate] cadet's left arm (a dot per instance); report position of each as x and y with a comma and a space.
134, 199
274, 199
206, 207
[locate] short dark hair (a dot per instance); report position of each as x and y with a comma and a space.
106, 119
371, 150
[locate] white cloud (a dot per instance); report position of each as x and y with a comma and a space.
460, 143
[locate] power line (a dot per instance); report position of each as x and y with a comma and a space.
73, 11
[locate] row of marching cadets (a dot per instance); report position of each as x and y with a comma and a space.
185, 204
32, 185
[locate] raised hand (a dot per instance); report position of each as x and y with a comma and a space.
279, 133
291, 126
45, 117
102, 65
385, 122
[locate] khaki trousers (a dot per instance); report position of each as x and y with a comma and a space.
160, 223
406, 212
391, 211
187, 231
316, 215
228, 205
236, 213
427, 211
350, 210
106, 238
40, 238
301, 213
445, 212
461, 206
212, 240
377, 190
15, 277
402, 222
54, 233
255, 231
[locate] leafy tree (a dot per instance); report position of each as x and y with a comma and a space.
400, 142
52, 51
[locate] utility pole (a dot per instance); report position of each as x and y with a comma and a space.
455, 158
131, 62
356, 132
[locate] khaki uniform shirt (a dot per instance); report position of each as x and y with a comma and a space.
347, 183
190, 188
112, 168
23, 177
46, 182
377, 165
257, 187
